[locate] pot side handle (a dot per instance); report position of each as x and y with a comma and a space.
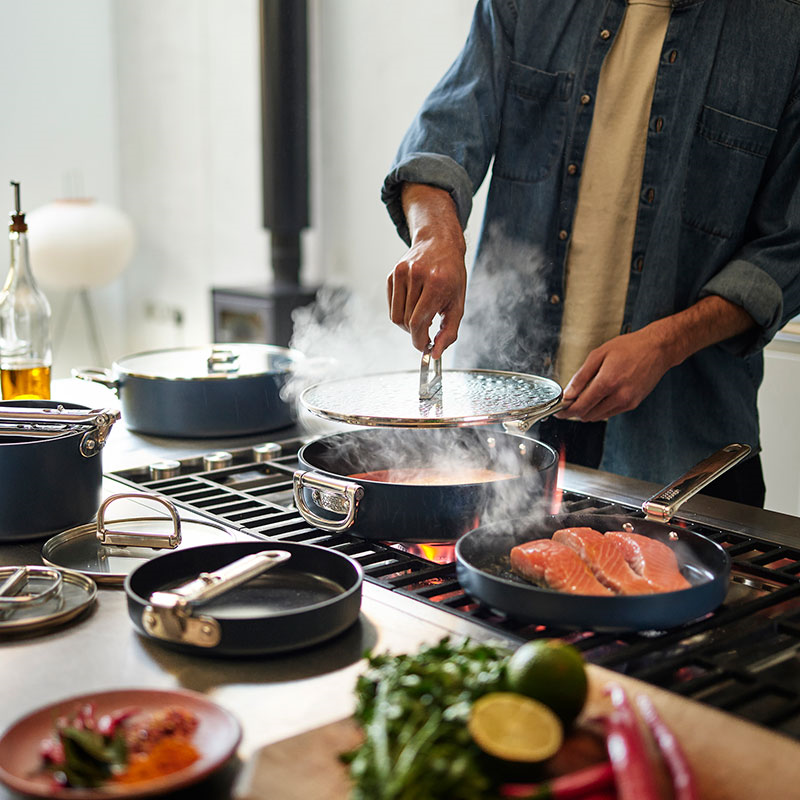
331, 494
101, 376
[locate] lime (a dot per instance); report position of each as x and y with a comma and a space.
514, 727
552, 672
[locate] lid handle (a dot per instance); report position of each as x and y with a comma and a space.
429, 386
156, 541
222, 359
16, 578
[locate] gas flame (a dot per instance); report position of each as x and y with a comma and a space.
438, 553
559, 492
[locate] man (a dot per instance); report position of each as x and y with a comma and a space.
643, 208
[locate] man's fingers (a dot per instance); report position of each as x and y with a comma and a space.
396, 295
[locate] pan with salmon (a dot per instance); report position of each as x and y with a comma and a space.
604, 572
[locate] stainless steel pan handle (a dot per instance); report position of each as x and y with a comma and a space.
661, 507
331, 494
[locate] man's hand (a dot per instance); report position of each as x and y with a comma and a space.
619, 374
431, 278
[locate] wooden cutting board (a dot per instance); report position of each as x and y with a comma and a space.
731, 759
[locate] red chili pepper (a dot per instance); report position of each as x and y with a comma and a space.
683, 784
110, 722
578, 784
633, 770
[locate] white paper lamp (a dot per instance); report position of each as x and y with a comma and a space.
79, 243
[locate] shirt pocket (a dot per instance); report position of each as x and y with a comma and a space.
533, 124
726, 163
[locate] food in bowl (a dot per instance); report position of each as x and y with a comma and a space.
124, 747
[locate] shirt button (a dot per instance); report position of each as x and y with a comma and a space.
605, 34
572, 169
650, 195
659, 124
673, 56
586, 99
562, 235
638, 264
554, 299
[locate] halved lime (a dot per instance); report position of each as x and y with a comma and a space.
513, 727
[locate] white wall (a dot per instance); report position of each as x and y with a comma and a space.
780, 425
153, 106
59, 135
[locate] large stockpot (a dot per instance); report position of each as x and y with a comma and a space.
51, 469
201, 392
329, 497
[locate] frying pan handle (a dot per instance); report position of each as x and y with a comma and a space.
331, 494
662, 506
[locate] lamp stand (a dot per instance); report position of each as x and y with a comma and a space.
95, 339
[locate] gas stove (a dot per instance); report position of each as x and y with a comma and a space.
743, 658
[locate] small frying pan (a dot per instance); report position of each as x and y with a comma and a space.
244, 598
484, 568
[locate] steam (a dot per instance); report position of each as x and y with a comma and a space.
348, 334
503, 324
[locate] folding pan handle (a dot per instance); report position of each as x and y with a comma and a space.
661, 507
169, 616
341, 497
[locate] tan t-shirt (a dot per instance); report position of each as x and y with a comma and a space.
600, 249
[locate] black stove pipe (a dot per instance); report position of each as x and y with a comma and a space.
284, 114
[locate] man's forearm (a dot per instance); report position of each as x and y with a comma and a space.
431, 213
709, 321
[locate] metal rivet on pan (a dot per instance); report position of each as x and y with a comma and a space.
267, 451
164, 469
218, 460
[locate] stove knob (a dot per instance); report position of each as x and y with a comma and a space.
266, 452
218, 460
164, 469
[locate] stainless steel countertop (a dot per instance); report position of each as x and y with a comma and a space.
273, 697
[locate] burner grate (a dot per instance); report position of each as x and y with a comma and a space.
743, 658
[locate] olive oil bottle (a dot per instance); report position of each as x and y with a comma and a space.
25, 343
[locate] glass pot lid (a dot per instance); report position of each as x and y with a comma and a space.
108, 554
435, 398
37, 598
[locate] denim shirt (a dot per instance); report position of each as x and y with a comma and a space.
719, 209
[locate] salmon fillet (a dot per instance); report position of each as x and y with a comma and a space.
605, 559
653, 560
556, 566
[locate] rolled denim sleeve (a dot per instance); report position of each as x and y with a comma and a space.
758, 293
764, 277
431, 168
453, 137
